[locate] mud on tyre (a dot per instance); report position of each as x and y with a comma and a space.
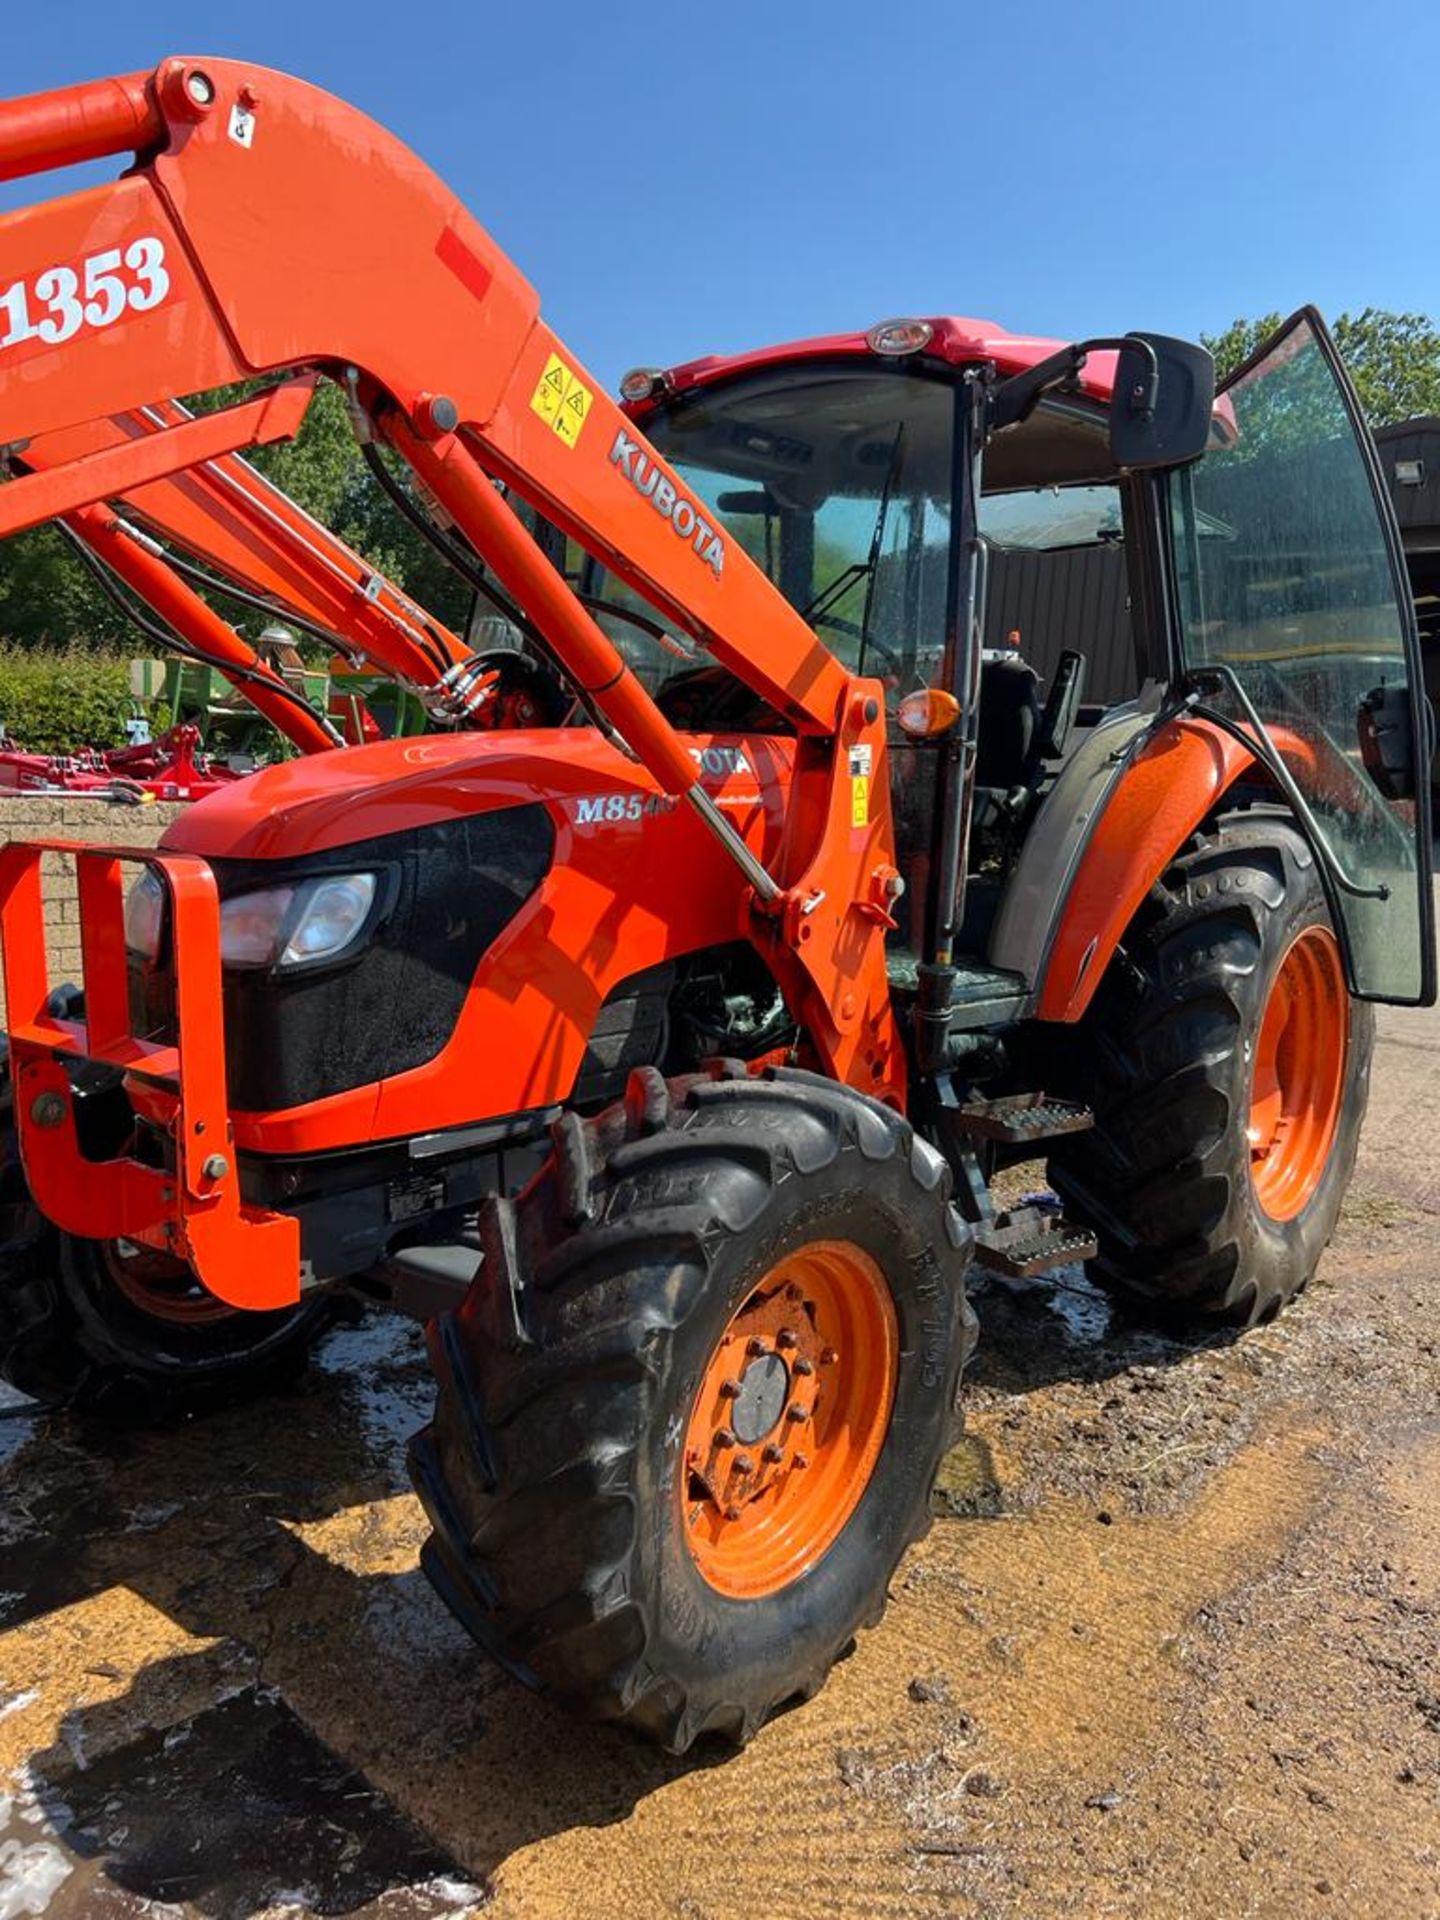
718, 1275
1229, 1071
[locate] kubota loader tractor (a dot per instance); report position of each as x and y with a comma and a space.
813, 906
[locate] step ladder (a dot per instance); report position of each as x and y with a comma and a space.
1025, 1240
1018, 1119
1031, 1240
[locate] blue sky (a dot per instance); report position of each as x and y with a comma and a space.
678, 180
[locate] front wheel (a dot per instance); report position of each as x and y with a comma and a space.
691, 1412
1228, 1070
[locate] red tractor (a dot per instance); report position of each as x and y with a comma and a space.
659, 1054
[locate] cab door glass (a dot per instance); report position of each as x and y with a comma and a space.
1290, 575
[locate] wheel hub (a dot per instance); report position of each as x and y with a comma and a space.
789, 1418
764, 1391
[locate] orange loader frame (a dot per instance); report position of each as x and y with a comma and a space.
171, 281
248, 1257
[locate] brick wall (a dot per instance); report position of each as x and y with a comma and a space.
74, 817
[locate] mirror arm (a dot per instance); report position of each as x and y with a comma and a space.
1014, 399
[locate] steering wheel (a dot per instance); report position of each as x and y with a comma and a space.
868, 642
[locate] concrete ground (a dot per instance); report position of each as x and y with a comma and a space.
1170, 1648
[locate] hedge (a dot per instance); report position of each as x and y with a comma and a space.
54, 702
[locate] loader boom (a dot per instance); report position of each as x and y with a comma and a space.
268, 236
267, 228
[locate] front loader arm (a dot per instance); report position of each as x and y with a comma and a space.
267, 231
269, 226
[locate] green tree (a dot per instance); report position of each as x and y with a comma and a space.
1393, 358
49, 600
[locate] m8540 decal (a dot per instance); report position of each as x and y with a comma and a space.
596, 809
593, 809
58, 303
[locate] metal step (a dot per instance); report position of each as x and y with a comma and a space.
432, 1279
1019, 1118
1031, 1240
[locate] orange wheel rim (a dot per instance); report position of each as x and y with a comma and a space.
789, 1419
1297, 1082
160, 1285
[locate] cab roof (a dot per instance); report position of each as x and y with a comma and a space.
960, 342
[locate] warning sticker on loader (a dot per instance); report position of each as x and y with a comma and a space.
562, 399
861, 764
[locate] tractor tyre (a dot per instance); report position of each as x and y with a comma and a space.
1228, 1070
692, 1408
115, 1332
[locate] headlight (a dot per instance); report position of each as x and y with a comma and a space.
250, 925
296, 926
145, 914
332, 912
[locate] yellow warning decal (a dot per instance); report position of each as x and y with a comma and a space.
860, 800
562, 399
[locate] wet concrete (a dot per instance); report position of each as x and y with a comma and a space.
1170, 1647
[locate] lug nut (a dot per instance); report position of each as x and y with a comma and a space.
786, 1339
724, 1437
803, 1367
795, 1412
743, 1463
732, 1513
729, 1389
771, 1454
802, 1460
828, 1356
755, 1348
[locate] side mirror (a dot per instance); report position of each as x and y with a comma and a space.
1164, 395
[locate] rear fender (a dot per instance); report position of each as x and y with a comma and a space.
1155, 805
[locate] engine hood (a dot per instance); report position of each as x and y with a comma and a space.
331, 799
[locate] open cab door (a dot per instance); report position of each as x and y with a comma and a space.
1295, 612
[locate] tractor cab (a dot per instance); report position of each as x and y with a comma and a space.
1073, 544
846, 474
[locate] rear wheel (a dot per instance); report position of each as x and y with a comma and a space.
691, 1412
111, 1328
1229, 1071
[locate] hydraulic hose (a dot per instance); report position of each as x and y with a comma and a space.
171, 642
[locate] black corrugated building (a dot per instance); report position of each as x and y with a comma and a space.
1410, 456
1067, 597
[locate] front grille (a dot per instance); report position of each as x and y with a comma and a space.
293, 1038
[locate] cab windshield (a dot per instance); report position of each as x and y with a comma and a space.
837, 483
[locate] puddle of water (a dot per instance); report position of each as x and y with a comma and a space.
1083, 1310
387, 1378
18, 1416
33, 1868
237, 1811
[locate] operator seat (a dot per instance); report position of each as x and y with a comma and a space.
1010, 735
